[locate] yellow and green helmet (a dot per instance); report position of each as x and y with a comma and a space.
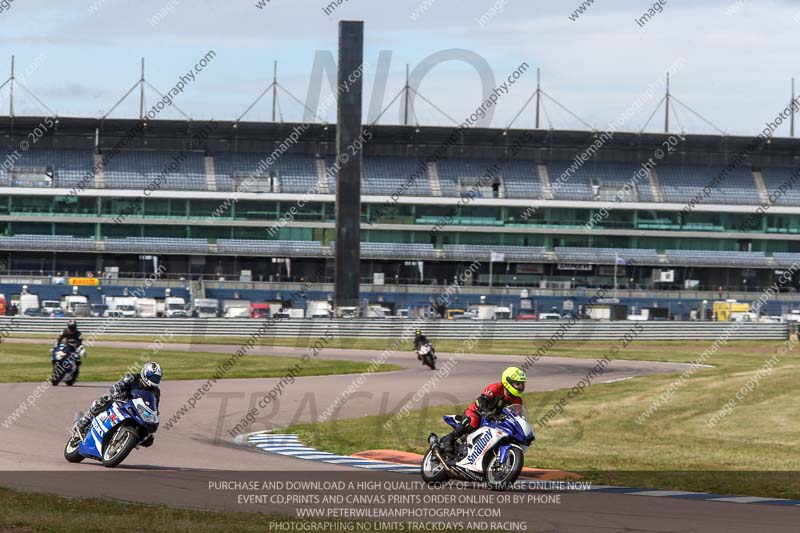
514, 379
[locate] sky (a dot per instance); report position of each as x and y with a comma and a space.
736, 58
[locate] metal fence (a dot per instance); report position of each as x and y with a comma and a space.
393, 328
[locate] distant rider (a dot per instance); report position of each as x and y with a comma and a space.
71, 335
419, 339
147, 379
490, 403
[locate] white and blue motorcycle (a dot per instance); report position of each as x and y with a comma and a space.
492, 454
66, 360
115, 432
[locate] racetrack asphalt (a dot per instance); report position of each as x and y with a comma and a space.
176, 470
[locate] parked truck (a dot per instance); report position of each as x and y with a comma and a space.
206, 308
50, 306
730, 310
319, 309
146, 308
488, 312
259, 310
121, 306
175, 307
68, 303
29, 304
236, 308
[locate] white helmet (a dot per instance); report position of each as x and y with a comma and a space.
151, 374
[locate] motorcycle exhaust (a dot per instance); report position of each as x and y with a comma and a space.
449, 470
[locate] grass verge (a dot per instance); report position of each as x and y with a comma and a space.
31, 362
751, 451
643, 351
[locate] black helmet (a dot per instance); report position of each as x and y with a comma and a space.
72, 325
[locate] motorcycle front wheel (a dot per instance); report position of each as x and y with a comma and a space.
432, 470
71, 449
121, 443
500, 476
56, 376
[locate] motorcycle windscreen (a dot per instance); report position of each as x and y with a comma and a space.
145, 403
517, 409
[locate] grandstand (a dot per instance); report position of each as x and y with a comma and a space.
215, 213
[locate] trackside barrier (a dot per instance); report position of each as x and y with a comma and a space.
393, 328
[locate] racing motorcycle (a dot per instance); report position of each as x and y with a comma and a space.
493, 453
427, 355
66, 358
114, 433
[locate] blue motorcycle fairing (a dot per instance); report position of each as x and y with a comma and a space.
117, 414
507, 425
451, 420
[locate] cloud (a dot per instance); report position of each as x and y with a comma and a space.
737, 66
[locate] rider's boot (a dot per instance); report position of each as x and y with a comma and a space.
448, 441
98, 406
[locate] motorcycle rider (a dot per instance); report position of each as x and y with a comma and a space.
71, 334
490, 403
147, 379
421, 340
73, 338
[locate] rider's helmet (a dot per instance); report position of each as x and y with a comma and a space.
72, 326
151, 374
514, 379
418, 332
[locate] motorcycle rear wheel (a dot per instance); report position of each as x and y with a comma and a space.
119, 445
432, 470
501, 477
71, 449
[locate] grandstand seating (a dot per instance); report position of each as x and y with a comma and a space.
137, 169
392, 250
609, 179
253, 246
388, 175
468, 252
714, 258
783, 259
681, 183
774, 177
376, 250
383, 175
156, 244
69, 166
520, 179
456, 176
47, 242
295, 173
607, 255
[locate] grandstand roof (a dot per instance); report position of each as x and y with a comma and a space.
74, 132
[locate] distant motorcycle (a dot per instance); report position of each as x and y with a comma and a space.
66, 360
427, 355
114, 433
493, 453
